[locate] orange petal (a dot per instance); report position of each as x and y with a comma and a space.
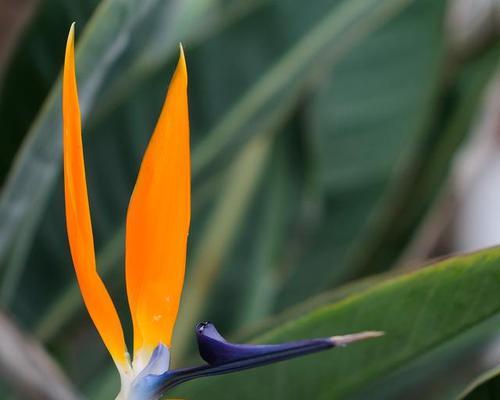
158, 222
81, 242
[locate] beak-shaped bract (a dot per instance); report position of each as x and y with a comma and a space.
157, 223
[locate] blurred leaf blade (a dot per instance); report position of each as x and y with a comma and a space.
29, 368
485, 387
366, 124
33, 67
345, 23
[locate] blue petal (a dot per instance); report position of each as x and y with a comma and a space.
145, 383
147, 387
158, 363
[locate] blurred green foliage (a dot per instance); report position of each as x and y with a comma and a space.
322, 133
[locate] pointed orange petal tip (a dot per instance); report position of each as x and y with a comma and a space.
70, 50
181, 63
71, 34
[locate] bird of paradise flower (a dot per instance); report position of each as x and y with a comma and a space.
157, 228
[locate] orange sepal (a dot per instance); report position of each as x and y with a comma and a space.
78, 223
158, 222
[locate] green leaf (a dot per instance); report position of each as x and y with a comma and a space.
33, 68
420, 313
364, 127
28, 367
334, 32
